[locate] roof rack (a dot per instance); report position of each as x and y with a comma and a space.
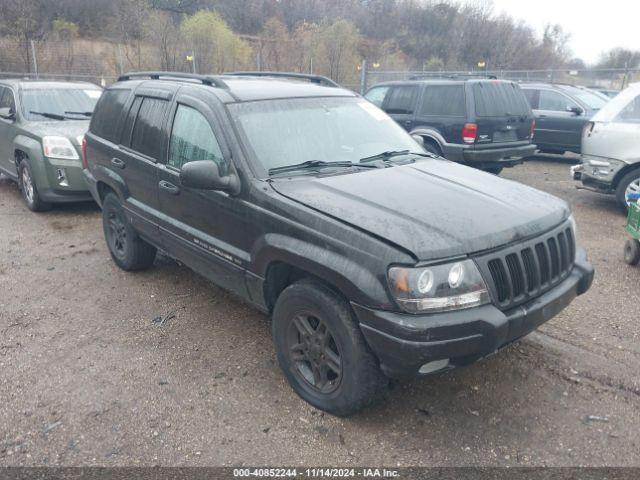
204, 79
319, 79
452, 76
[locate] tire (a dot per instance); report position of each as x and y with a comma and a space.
29, 189
632, 252
126, 247
630, 182
494, 170
354, 380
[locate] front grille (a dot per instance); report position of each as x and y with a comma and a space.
522, 272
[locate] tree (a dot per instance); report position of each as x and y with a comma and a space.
23, 19
66, 33
337, 49
620, 58
161, 31
215, 47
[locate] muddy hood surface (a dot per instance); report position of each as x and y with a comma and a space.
433, 208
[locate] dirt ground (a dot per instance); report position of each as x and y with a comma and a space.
88, 378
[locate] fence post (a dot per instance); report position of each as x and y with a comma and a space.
35, 60
120, 65
363, 77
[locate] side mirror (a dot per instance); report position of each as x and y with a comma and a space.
576, 110
419, 140
7, 113
205, 175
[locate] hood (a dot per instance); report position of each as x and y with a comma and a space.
72, 129
433, 208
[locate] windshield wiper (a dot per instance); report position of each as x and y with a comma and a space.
54, 116
393, 153
314, 164
85, 114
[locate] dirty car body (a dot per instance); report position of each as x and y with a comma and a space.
610, 160
41, 127
492, 259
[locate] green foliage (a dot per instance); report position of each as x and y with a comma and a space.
64, 30
216, 47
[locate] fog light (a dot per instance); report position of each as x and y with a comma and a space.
62, 177
434, 366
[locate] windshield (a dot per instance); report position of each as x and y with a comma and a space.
292, 131
590, 99
72, 103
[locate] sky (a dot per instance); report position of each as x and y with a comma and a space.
595, 26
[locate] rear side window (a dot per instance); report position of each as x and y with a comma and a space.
630, 113
499, 99
376, 95
530, 95
147, 131
402, 99
555, 102
444, 101
105, 119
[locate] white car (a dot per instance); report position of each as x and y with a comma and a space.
611, 147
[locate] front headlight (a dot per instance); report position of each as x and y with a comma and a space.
59, 147
439, 288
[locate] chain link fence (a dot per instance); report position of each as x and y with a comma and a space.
610, 79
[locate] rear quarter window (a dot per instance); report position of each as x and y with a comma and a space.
106, 116
444, 101
402, 99
499, 99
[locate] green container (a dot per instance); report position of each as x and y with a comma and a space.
633, 220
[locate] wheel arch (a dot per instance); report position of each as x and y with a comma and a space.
285, 260
623, 172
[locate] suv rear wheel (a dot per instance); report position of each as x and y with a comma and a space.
321, 350
126, 247
630, 183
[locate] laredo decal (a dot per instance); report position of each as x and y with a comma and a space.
210, 248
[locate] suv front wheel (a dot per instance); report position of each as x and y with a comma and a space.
29, 189
321, 350
126, 247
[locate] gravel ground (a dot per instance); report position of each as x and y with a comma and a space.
89, 379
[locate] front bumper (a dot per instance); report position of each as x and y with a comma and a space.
404, 343
500, 155
61, 181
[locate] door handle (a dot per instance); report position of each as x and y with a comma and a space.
116, 162
542, 116
168, 187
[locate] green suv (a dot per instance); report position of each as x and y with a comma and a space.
41, 129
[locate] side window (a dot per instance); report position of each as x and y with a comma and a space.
402, 99
630, 113
444, 101
376, 95
530, 95
105, 119
193, 139
554, 101
6, 99
146, 137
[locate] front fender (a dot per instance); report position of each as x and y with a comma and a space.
356, 282
32, 148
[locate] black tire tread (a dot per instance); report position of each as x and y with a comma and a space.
372, 381
142, 254
622, 186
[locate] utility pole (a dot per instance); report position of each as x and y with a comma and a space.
363, 77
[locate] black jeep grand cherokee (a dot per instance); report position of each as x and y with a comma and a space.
375, 259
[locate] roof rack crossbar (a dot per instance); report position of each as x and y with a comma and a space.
319, 79
204, 79
453, 76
